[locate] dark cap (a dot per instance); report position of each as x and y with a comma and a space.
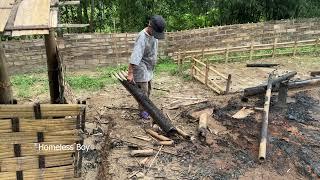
158, 25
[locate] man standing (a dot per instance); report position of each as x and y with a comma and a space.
144, 57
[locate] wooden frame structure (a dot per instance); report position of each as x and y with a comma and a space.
35, 145
201, 70
181, 56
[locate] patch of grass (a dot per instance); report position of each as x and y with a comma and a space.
96, 82
166, 65
29, 85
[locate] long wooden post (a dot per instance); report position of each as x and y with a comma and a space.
264, 129
53, 65
5, 85
295, 48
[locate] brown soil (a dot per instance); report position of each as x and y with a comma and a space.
230, 151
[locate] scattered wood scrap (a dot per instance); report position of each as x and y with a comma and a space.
196, 114
203, 124
142, 153
182, 103
157, 136
183, 134
243, 113
215, 127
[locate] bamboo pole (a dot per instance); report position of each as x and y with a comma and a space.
316, 44
274, 48
207, 72
251, 50
264, 129
295, 48
226, 58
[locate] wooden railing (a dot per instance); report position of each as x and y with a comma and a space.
183, 56
203, 76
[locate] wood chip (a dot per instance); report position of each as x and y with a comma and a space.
243, 113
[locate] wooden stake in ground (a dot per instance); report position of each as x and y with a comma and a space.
5, 85
264, 129
203, 123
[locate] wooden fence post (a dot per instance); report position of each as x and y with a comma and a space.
207, 72
202, 52
251, 50
295, 48
226, 54
228, 84
274, 47
316, 44
127, 46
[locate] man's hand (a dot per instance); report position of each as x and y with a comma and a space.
130, 74
130, 77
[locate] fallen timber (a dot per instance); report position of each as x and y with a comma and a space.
291, 85
264, 129
147, 104
262, 65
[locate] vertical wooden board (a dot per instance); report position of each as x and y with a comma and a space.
4, 16
33, 13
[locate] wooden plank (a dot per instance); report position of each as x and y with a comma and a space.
216, 85
67, 3
32, 162
6, 6
72, 25
33, 12
54, 173
218, 73
27, 32
4, 14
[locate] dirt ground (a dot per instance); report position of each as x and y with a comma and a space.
232, 145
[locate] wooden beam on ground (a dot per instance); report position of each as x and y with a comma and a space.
6, 96
264, 129
260, 89
262, 65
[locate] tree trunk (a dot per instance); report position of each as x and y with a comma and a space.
53, 65
5, 85
92, 16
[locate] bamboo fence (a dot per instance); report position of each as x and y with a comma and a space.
30, 137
